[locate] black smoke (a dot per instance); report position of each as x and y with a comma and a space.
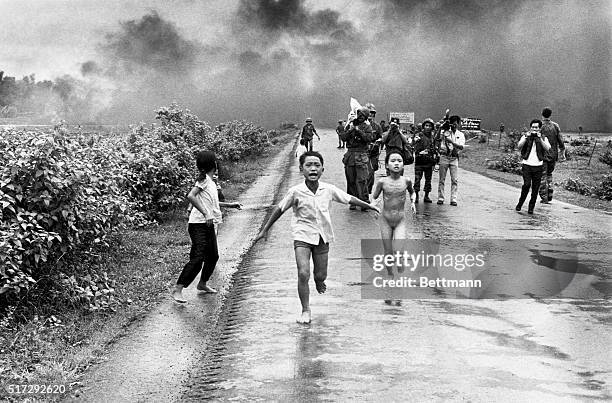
496, 60
150, 42
272, 61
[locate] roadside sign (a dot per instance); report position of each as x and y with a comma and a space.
470, 123
404, 117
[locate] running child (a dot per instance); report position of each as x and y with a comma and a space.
393, 188
203, 219
311, 225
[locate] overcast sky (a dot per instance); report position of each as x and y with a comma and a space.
271, 61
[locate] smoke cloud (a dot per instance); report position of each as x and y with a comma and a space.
276, 60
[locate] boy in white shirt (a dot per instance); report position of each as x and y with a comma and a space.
311, 225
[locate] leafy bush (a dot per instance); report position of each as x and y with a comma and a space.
62, 195
578, 186
288, 126
57, 200
510, 163
578, 151
604, 189
157, 173
580, 142
606, 156
511, 140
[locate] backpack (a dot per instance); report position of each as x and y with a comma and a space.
408, 154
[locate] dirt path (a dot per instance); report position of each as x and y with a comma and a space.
155, 356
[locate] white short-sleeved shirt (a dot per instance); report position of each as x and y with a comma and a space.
457, 137
533, 159
210, 199
311, 217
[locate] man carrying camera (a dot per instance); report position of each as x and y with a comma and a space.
425, 158
533, 147
357, 134
451, 141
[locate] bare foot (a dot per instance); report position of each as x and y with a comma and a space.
206, 288
178, 296
320, 286
398, 302
388, 302
304, 318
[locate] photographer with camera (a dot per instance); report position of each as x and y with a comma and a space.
534, 147
450, 141
357, 135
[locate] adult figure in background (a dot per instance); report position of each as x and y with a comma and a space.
384, 126
339, 131
451, 142
425, 159
357, 134
373, 147
394, 139
308, 132
552, 132
533, 147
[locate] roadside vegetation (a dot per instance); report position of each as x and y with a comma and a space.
584, 179
92, 227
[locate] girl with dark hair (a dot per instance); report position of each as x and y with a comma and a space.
204, 217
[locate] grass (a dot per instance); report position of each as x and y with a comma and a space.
475, 156
56, 347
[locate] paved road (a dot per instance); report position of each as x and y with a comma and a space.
429, 349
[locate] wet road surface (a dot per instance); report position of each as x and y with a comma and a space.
430, 349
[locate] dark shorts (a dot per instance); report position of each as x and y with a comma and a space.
321, 249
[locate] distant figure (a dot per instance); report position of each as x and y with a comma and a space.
552, 132
425, 159
384, 126
580, 130
533, 149
501, 133
311, 225
373, 147
308, 132
340, 131
451, 142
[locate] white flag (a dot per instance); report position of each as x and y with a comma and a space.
353, 113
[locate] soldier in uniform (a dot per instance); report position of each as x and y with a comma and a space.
425, 158
339, 130
373, 147
308, 132
357, 135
